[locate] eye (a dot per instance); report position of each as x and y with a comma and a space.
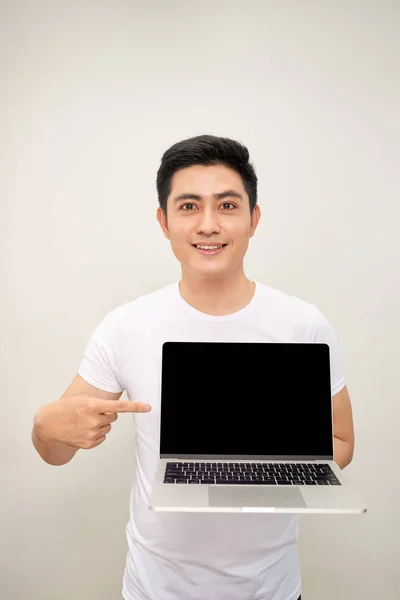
191, 204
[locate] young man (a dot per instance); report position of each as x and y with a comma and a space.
207, 192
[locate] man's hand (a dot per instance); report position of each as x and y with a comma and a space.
81, 421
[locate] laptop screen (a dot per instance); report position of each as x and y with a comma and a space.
245, 399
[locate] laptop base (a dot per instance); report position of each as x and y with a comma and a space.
255, 499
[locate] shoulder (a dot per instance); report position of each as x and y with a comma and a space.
287, 305
139, 308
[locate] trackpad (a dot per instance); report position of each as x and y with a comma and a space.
255, 496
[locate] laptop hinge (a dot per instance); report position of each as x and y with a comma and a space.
244, 458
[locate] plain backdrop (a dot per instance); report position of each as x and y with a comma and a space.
92, 93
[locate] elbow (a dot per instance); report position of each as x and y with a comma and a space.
343, 452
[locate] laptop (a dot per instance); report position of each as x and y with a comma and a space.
247, 427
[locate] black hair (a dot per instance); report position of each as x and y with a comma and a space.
206, 150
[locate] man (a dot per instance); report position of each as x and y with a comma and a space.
207, 192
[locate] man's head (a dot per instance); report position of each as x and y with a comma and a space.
207, 191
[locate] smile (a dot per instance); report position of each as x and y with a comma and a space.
209, 250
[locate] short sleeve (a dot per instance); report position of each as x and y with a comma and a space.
100, 362
323, 332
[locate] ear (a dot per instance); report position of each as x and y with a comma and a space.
255, 218
162, 219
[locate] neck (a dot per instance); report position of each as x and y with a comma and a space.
217, 295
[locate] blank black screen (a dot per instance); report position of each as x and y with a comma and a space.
244, 398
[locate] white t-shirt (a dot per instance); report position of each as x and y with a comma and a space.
189, 556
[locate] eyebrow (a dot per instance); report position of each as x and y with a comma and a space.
217, 196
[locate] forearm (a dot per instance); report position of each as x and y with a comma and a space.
54, 453
342, 452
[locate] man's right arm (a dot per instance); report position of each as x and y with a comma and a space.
44, 439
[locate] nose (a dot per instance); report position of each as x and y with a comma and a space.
208, 222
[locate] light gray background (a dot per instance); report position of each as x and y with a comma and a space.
92, 93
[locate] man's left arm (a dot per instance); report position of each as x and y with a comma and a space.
343, 429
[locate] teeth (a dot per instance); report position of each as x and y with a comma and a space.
209, 247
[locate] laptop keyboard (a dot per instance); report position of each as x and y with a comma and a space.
250, 473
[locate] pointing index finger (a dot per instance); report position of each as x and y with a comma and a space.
122, 406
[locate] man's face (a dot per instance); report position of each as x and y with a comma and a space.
208, 220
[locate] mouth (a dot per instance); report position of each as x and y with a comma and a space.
209, 251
